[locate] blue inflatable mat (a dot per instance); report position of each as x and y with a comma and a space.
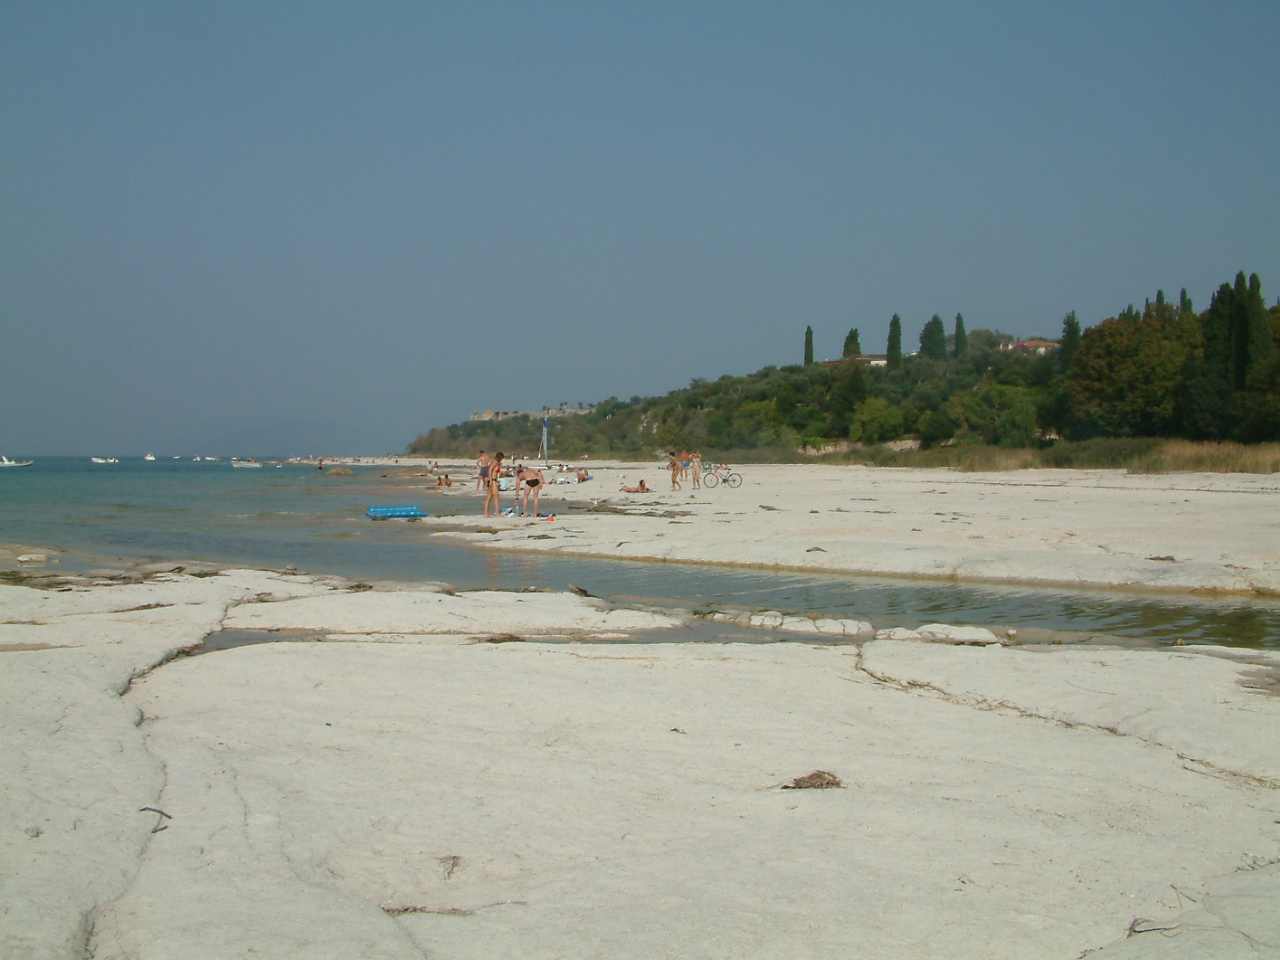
404, 512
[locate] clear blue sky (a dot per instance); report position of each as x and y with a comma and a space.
273, 227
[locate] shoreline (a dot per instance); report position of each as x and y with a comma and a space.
1192, 534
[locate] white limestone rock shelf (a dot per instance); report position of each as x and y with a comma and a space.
410, 792
550, 800
74, 764
1201, 707
1066, 527
479, 612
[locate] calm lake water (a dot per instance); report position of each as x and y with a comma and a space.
299, 516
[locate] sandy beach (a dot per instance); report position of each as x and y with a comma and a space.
1215, 533
411, 773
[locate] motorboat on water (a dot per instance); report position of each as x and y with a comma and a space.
104, 459
149, 456
6, 462
250, 464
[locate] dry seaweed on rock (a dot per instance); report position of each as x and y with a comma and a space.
818, 780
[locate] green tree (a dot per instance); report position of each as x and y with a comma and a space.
1126, 374
808, 346
1070, 341
935, 426
961, 345
1238, 348
1184, 302
933, 339
894, 349
852, 344
876, 421
996, 414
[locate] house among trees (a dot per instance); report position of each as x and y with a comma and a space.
1036, 345
863, 359
562, 410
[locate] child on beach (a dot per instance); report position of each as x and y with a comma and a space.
695, 467
673, 464
492, 492
482, 471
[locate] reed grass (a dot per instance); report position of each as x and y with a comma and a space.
1133, 454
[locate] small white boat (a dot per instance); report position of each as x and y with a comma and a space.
6, 462
245, 464
104, 459
150, 456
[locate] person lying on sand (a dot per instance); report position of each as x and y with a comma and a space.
638, 488
583, 476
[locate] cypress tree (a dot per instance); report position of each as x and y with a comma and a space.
1207, 392
1239, 332
1159, 298
852, 344
808, 346
895, 342
1258, 328
1070, 340
1184, 302
962, 338
933, 339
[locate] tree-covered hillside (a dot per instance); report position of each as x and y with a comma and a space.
1161, 371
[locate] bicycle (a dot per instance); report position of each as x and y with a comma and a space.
718, 473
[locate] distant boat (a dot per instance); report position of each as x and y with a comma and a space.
6, 462
245, 464
149, 456
104, 460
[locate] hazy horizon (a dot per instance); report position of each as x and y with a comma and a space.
325, 229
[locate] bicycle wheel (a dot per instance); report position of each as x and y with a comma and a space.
709, 480
734, 480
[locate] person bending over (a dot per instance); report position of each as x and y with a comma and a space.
529, 482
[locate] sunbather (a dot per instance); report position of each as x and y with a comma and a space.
638, 488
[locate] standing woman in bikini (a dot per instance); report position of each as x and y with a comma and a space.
492, 492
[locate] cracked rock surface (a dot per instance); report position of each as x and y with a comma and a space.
441, 797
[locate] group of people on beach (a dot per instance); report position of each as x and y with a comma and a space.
685, 465
529, 482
